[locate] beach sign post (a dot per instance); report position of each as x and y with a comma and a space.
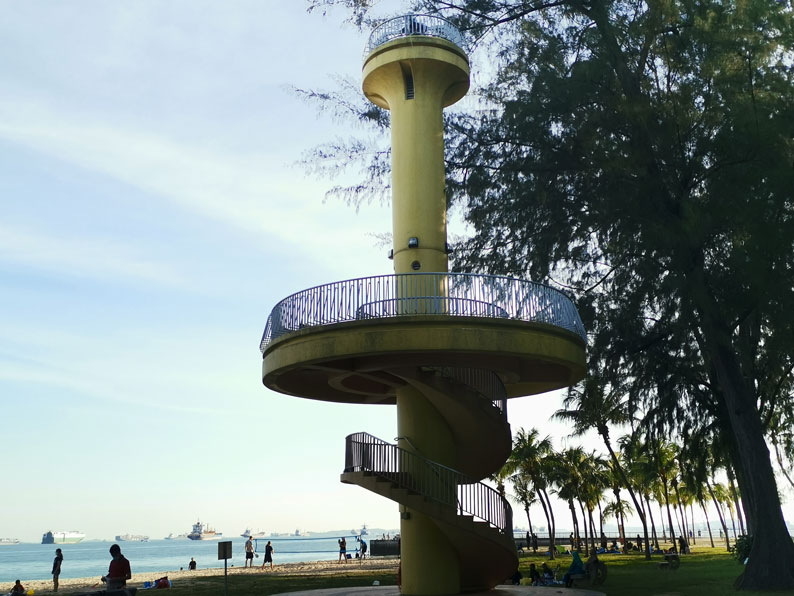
225, 553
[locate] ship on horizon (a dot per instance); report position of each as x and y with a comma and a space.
249, 534
72, 537
132, 538
8, 541
204, 532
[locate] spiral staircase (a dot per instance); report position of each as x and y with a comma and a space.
465, 344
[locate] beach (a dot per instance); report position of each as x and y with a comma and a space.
182, 578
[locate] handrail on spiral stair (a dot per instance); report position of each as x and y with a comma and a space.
366, 453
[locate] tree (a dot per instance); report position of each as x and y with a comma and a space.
532, 458
640, 154
594, 404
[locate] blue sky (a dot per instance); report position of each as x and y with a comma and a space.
151, 214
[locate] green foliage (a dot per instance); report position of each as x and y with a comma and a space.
742, 548
640, 155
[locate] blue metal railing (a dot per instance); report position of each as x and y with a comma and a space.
422, 294
365, 453
414, 24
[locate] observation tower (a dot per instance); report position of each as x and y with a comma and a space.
449, 349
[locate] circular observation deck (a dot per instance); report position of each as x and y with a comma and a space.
348, 341
414, 25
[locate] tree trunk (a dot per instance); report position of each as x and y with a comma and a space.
681, 509
735, 495
544, 500
575, 522
653, 525
529, 520
600, 519
692, 523
604, 432
721, 516
708, 523
771, 560
586, 532
669, 515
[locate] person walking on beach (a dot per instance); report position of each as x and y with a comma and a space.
56, 569
192, 565
342, 549
249, 552
118, 571
363, 549
268, 555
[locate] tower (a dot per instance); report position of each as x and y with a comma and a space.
447, 349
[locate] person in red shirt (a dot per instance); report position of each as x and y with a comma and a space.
119, 571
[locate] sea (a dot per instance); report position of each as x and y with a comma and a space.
90, 558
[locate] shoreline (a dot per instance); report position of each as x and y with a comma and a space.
353, 567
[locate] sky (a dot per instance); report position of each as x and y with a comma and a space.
152, 212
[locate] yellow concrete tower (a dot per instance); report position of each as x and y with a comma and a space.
447, 349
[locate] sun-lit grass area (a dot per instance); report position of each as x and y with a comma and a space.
263, 585
706, 572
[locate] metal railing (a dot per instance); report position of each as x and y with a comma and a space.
485, 382
365, 453
417, 294
414, 24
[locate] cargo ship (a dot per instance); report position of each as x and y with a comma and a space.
203, 532
132, 538
72, 537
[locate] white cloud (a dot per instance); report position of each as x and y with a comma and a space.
94, 257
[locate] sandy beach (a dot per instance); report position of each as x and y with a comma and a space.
83, 584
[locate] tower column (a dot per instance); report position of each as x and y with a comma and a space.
429, 562
415, 77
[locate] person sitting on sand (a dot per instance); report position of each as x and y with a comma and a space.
18, 588
119, 571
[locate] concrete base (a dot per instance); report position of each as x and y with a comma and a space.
498, 591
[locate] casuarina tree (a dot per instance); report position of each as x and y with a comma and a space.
640, 153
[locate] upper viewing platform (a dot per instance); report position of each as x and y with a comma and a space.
414, 24
423, 294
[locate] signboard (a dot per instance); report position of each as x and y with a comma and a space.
224, 550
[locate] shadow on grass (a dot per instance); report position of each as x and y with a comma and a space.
706, 572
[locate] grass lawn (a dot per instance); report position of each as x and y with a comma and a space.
263, 585
706, 572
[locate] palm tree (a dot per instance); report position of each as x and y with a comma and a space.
719, 494
531, 458
662, 457
594, 404
640, 474
567, 476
